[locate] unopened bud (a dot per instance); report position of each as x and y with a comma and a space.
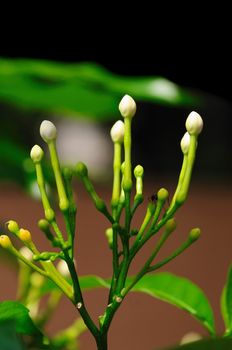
81, 169
13, 226
185, 142
194, 234
170, 225
138, 171
194, 123
25, 235
5, 242
117, 132
162, 194
36, 153
127, 107
48, 131
62, 267
26, 253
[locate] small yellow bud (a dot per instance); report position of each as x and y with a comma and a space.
36, 154
162, 194
5, 242
127, 107
13, 226
25, 235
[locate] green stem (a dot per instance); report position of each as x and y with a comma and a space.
177, 252
63, 200
78, 298
117, 175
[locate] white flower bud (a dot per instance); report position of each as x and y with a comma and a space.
62, 267
48, 131
185, 142
117, 132
194, 123
26, 253
36, 154
127, 107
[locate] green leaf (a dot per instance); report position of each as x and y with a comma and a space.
226, 303
81, 89
180, 292
19, 314
8, 337
175, 290
206, 344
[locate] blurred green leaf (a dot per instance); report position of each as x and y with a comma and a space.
9, 340
206, 344
19, 314
81, 89
226, 303
175, 290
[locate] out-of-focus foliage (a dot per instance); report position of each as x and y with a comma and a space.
31, 90
210, 344
81, 89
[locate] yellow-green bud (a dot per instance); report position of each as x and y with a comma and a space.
13, 226
43, 224
109, 236
81, 169
49, 214
25, 235
117, 132
5, 242
127, 107
48, 131
36, 153
185, 142
170, 225
194, 234
162, 194
67, 172
138, 171
194, 123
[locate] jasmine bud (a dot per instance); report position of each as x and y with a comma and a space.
36, 154
48, 131
185, 142
117, 132
194, 123
127, 107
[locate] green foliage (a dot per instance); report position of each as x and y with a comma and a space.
9, 340
210, 344
68, 88
19, 314
168, 287
226, 303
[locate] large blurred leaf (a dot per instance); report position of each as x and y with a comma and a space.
84, 89
8, 337
165, 286
15, 312
226, 303
210, 344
